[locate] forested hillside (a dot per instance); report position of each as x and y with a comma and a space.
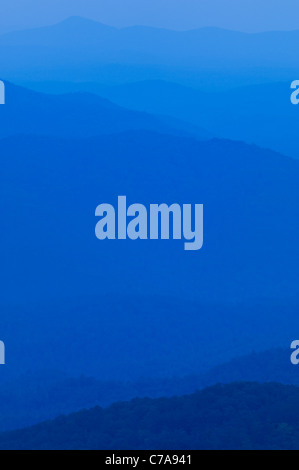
235, 416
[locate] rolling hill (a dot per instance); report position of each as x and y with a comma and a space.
78, 49
36, 397
137, 302
79, 115
259, 114
249, 193
153, 45
240, 416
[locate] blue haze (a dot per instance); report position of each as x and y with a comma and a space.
245, 15
93, 112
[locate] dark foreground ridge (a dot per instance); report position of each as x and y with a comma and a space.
236, 416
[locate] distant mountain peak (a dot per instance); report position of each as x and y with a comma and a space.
82, 21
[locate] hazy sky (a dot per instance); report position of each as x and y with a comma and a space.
244, 15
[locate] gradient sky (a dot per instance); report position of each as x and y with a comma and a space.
243, 15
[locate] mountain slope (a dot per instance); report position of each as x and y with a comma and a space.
78, 115
77, 49
250, 196
206, 44
33, 398
72, 286
241, 416
260, 114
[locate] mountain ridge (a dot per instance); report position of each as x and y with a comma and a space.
259, 114
186, 46
83, 51
51, 393
81, 114
77, 20
250, 196
238, 416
